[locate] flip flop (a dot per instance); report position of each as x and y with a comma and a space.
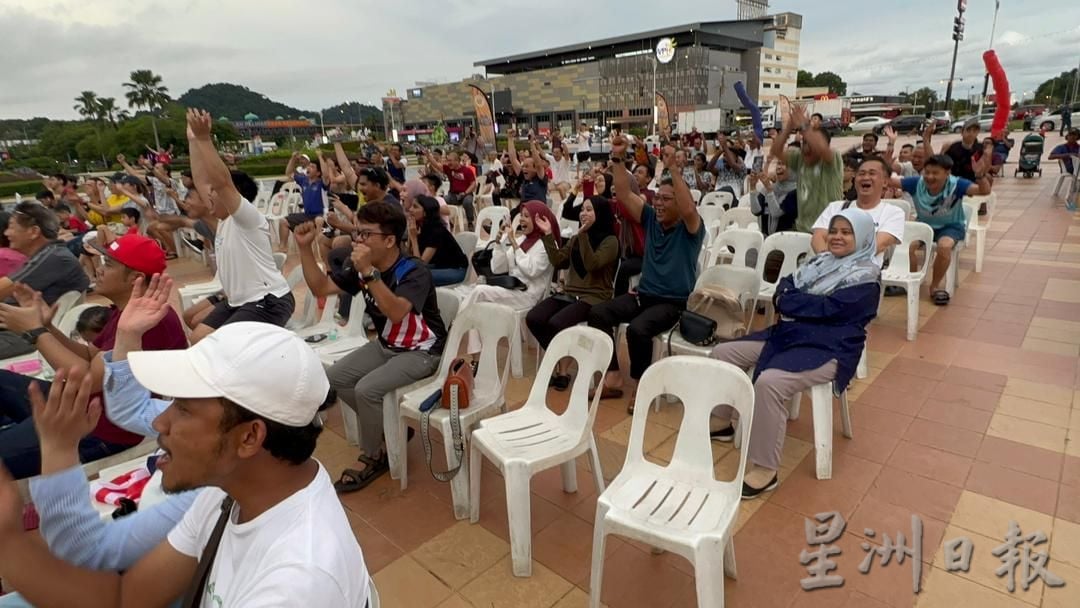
940, 297
352, 480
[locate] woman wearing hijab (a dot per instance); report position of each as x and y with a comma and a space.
824, 308
528, 263
430, 241
592, 257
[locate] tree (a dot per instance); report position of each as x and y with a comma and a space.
1057, 89
832, 81
925, 96
146, 91
805, 79
86, 104
108, 110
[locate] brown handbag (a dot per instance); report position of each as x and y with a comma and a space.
461, 377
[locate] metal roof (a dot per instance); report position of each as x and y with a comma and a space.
722, 34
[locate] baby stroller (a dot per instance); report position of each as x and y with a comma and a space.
1031, 150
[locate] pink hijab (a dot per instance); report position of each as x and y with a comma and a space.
537, 208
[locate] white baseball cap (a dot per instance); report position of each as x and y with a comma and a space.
262, 368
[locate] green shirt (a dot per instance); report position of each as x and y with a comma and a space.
818, 185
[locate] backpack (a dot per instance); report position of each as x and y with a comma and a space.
713, 314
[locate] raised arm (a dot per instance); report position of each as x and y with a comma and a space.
795, 122
207, 169
620, 178
927, 136
820, 145
290, 168
346, 167
316, 279
684, 201
120, 158
515, 164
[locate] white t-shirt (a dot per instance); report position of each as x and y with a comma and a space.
887, 218
583, 141
245, 259
301, 552
560, 169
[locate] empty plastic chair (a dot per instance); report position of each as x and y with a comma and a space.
980, 227
489, 222
722, 199
909, 213
533, 438
742, 217
899, 274
741, 240
680, 508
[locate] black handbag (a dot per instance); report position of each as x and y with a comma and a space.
506, 282
696, 329
481, 260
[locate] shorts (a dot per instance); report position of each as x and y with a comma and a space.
295, 219
271, 309
956, 232
583, 157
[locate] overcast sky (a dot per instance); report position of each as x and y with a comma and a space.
315, 54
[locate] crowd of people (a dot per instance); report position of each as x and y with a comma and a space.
249, 516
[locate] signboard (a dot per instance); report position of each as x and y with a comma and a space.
483, 118
665, 50
663, 118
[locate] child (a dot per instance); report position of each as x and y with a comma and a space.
91, 323
69, 221
130, 217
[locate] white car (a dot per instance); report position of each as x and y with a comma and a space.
985, 120
1051, 119
867, 124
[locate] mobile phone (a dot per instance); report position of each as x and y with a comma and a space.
759, 162
315, 339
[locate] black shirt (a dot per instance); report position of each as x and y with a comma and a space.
534, 189
448, 253
420, 330
962, 159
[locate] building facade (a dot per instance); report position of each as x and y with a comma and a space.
611, 81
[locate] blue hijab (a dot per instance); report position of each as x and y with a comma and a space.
826, 273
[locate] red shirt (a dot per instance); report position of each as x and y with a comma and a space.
77, 225
166, 335
461, 178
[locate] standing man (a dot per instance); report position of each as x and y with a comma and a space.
818, 169
1066, 118
255, 290
401, 301
673, 237
584, 143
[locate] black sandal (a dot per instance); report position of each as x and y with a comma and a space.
940, 297
352, 480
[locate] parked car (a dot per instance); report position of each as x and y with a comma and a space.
909, 123
868, 123
942, 118
1051, 119
832, 125
1023, 112
985, 120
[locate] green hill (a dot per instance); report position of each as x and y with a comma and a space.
352, 112
234, 101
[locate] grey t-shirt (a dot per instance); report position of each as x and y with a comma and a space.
53, 271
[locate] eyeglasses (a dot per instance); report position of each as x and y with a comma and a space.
364, 235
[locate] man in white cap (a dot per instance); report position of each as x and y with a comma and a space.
270, 531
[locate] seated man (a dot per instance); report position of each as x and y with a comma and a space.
255, 290
870, 180
674, 234
938, 198
49, 268
128, 259
270, 531
1064, 152
400, 296
463, 183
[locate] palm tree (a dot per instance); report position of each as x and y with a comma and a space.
107, 110
146, 91
86, 104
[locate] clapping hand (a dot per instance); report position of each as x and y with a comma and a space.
27, 297
543, 224
146, 308
198, 124
668, 156
890, 133
68, 414
798, 116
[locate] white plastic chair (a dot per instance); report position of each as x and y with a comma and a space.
980, 228
467, 241
898, 274
66, 302
1064, 178
680, 508
279, 260
744, 282
458, 221
793, 245
495, 322
351, 336
711, 213
741, 217
821, 399
742, 240
495, 216
532, 439
909, 212
952, 277
722, 199
696, 195
67, 322
744, 200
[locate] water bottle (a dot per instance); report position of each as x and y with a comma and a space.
333, 335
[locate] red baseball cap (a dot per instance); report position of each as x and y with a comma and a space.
137, 252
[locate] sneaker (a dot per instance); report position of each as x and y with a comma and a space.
750, 493
726, 435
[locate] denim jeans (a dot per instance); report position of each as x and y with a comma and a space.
19, 448
448, 276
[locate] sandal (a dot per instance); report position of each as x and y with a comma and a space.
940, 297
352, 480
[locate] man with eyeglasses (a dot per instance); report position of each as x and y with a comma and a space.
50, 267
401, 301
819, 169
255, 289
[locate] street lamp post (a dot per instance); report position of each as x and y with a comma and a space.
958, 35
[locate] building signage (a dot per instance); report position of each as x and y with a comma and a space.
665, 50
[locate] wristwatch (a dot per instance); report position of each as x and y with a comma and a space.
371, 278
33, 335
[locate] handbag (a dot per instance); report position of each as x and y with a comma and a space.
713, 314
506, 282
491, 260
454, 395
